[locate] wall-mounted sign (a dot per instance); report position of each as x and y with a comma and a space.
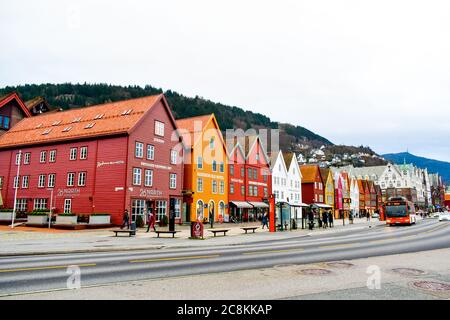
118, 189
111, 163
150, 193
208, 175
237, 180
68, 192
158, 140
258, 183
155, 166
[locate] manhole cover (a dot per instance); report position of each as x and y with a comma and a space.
314, 272
342, 265
409, 271
432, 286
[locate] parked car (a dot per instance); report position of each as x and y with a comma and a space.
444, 216
375, 216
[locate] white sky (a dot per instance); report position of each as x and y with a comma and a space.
369, 72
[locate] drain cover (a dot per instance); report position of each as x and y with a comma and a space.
409, 271
314, 272
341, 265
432, 286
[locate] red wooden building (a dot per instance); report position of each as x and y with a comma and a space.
250, 180
312, 185
12, 110
99, 159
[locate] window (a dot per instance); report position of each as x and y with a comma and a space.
231, 188
173, 181
41, 181
159, 128
222, 187
173, 157
27, 158
137, 209
255, 174
255, 191
199, 163
242, 190
161, 209
21, 205
67, 205
83, 153
76, 120
40, 204
46, 132
321, 198
177, 207
139, 150
4, 122
231, 170
150, 152
73, 154
99, 116
257, 157
82, 179
199, 185
56, 123
242, 172
214, 166
90, 125
70, 179
265, 177
250, 191
148, 181
52, 156
266, 192
16, 182
214, 186
1, 183
67, 129
43, 157
127, 112
250, 173
221, 167
211, 144
18, 158
137, 173
51, 180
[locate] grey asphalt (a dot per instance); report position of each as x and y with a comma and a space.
23, 274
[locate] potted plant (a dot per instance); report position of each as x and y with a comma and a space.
38, 217
99, 218
6, 214
66, 218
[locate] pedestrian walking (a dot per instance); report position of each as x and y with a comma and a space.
330, 219
265, 221
150, 220
125, 220
325, 219
368, 216
311, 219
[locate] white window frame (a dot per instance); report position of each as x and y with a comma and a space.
148, 179
16, 182
21, 205
214, 186
199, 184
67, 205
160, 209
173, 156
52, 156
139, 150
40, 204
73, 154
173, 181
51, 181
137, 176
43, 157
83, 153
82, 178
27, 158
150, 152
222, 187
159, 128
199, 162
41, 181
70, 179
177, 208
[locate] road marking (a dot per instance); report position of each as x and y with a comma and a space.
434, 229
174, 259
383, 240
271, 251
338, 245
45, 268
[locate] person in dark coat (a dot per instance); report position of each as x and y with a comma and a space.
265, 220
330, 218
325, 219
126, 220
311, 219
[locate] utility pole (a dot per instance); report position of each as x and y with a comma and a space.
16, 188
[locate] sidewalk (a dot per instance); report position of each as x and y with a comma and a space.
35, 241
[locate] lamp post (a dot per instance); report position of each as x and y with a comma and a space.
19, 160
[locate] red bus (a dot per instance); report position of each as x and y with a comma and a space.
400, 211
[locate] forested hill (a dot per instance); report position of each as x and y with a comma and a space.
79, 95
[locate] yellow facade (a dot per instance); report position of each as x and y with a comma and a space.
205, 171
329, 189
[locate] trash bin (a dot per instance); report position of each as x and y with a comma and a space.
133, 228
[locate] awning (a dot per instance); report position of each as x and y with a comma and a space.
323, 206
259, 204
299, 205
241, 204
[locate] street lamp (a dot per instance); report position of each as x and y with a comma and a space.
19, 160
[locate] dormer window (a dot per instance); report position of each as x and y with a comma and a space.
76, 120
46, 132
67, 129
56, 123
4, 122
127, 112
39, 126
99, 116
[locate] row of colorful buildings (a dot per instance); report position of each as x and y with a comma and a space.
135, 155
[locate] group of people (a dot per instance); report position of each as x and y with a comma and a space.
151, 220
325, 220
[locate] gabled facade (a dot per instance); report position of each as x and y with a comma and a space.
312, 185
327, 176
279, 178
205, 169
99, 159
12, 110
354, 196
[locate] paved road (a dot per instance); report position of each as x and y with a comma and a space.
40, 273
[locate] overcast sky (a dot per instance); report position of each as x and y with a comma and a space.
369, 72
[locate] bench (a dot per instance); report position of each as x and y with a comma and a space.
130, 232
167, 232
224, 231
246, 229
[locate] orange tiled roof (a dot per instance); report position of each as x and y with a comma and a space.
187, 127
309, 173
31, 130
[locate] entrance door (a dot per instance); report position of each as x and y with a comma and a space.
149, 208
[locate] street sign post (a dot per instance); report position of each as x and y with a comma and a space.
272, 227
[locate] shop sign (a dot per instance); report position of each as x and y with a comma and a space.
150, 193
68, 192
111, 163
